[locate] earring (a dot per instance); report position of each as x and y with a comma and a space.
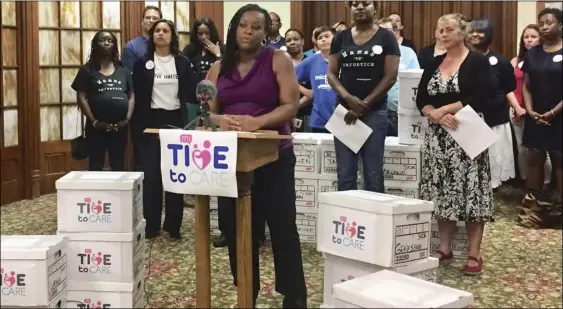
264, 42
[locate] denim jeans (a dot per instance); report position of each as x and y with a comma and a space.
392, 126
371, 154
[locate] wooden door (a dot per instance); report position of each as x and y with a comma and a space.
11, 163
65, 33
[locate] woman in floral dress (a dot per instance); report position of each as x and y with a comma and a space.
459, 186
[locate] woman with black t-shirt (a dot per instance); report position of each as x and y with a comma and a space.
497, 112
105, 95
164, 85
362, 67
542, 95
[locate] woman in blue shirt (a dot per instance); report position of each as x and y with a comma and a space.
314, 70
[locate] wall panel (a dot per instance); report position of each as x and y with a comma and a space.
419, 18
11, 163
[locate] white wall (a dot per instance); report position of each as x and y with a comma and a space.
526, 15
283, 9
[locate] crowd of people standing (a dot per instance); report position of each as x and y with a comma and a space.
267, 81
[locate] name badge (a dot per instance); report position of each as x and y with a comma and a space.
493, 60
149, 65
377, 49
557, 58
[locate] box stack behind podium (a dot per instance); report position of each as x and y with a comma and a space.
412, 126
362, 232
101, 213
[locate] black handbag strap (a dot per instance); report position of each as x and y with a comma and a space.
80, 121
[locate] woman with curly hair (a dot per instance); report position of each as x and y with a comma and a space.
105, 95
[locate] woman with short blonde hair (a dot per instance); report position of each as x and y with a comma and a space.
459, 186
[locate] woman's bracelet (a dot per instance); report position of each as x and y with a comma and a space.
94, 123
552, 113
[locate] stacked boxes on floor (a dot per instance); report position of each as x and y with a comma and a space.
101, 213
315, 172
33, 271
388, 289
412, 126
361, 232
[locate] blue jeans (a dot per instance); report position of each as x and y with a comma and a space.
393, 128
371, 153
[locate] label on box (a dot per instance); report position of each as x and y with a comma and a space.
328, 157
307, 226
408, 88
412, 129
396, 167
305, 155
460, 243
328, 186
306, 192
411, 242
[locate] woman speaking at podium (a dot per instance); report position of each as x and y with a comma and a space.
165, 84
258, 89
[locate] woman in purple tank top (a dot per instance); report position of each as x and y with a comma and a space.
258, 89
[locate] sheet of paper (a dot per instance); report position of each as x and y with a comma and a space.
353, 136
199, 162
473, 135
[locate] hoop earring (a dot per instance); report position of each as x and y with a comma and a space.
264, 42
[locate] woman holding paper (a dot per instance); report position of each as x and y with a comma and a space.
258, 89
164, 84
459, 186
542, 96
362, 67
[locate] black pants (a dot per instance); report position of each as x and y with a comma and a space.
273, 200
99, 142
152, 183
317, 130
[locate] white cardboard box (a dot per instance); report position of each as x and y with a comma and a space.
33, 270
306, 192
327, 158
388, 289
460, 243
408, 87
306, 221
401, 164
109, 202
375, 228
338, 269
407, 190
91, 294
332, 185
306, 149
411, 128
106, 257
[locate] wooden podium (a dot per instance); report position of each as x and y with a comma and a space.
255, 149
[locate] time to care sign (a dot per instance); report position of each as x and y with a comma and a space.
199, 162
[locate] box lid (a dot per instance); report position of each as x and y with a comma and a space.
388, 289
120, 181
31, 247
109, 237
392, 144
412, 73
374, 202
97, 286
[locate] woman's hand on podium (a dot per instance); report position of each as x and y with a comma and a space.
247, 123
227, 123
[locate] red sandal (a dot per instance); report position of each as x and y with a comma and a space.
473, 270
442, 257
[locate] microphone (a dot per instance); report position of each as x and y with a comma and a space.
206, 91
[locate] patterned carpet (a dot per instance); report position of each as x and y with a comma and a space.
522, 266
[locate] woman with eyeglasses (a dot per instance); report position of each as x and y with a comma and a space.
164, 85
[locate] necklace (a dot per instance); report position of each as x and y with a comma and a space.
169, 57
276, 40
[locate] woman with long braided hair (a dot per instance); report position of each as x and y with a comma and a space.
105, 95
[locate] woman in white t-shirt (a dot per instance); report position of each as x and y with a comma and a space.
166, 83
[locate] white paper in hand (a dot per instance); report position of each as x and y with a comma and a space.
473, 135
353, 136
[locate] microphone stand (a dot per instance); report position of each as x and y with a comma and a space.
204, 117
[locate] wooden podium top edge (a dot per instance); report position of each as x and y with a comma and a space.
260, 134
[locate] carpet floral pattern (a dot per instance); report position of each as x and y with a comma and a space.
522, 266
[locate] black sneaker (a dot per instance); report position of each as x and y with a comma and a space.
175, 235
220, 241
292, 302
151, 234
